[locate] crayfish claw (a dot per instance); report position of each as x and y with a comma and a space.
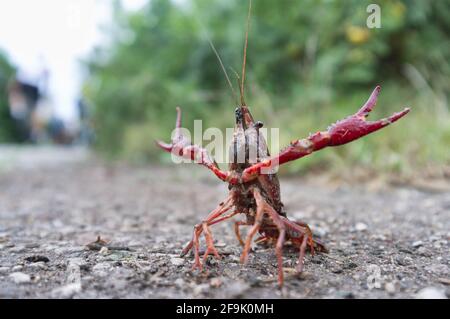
165, 146
370, 104
356, 126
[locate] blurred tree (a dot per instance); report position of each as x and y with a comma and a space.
314, 58
7, 125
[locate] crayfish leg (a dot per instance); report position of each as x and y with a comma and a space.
216, 216
265, 208
251, 234
238, 233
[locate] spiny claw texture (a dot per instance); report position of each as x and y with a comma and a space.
183, 147
356, 125
342, 132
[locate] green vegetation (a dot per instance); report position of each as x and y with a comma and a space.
7, 126
310, 63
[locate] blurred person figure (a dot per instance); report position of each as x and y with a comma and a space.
25, 91
85, 135
31, 107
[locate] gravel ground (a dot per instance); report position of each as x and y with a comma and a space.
384, 241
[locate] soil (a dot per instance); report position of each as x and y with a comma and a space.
385, 241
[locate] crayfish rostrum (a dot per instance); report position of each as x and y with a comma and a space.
254, 189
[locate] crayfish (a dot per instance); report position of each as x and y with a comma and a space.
254, 188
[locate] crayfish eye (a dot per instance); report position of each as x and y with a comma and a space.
238, 114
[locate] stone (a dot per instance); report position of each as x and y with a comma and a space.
20, 277
37, 258
38, 265
17, 268
176, 261
417, 244
361, 227
390, 287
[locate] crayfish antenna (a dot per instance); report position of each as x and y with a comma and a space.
244, 62
224, 70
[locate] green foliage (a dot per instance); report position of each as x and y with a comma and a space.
7, 126
309, 63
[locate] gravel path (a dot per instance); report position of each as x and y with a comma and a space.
387, 242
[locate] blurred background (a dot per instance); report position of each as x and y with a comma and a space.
109, 74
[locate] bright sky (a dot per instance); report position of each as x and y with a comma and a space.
58, 32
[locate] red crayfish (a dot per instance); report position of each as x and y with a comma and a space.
255, 191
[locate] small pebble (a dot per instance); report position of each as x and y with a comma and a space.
337, 270
220, 244
39, 265
37, 258
235, 259
104, 250
176, 261
402, 261
17, 268
361, 227
390, 287
350, 265
20, 277
417, 244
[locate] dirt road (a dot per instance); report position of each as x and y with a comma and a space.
389, 242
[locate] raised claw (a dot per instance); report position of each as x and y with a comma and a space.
165, 146
356, 126
181, 146
179, 141
342, 132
